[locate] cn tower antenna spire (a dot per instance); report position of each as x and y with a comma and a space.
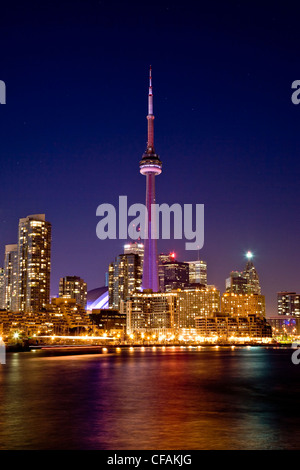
150, 95
150, 117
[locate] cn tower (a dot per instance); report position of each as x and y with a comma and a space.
150, 166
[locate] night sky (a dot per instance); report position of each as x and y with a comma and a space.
74, 127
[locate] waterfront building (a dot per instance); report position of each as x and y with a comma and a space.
11, 321
34, 251
146, 311
62, 317
73, 314
243, 304
108, 320
224, 327
73, 287
194, 302
174, 310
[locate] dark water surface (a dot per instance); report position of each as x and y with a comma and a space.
152, 399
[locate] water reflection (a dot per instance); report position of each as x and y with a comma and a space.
163, 398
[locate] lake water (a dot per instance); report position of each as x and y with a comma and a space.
208, 398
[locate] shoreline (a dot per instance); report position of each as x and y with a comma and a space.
112, 348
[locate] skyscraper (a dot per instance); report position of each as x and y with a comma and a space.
237, 283
34, 251
162, 259
135, 248
125, 277
73, 287
251, 275
172, 274
150, 166
246, 282
197, 272
11, 277
288, 303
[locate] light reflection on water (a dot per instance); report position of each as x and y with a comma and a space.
172, 398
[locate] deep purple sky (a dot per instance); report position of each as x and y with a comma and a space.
74, 127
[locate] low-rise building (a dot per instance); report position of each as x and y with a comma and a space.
226, 327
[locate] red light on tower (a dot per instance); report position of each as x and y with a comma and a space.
172, 255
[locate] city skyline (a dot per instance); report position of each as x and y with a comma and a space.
149, 318
219, 115
27, 268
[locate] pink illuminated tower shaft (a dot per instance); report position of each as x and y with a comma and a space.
150, 166
150, 268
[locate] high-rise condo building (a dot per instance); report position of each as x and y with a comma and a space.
11, 277
2, 289
34, 252
288, 303
73, 287
125, 277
